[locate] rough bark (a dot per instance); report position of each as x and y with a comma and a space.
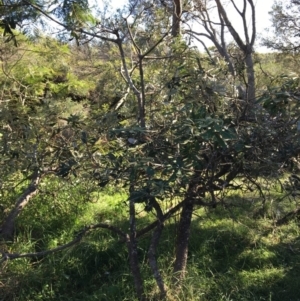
8, 226
167, 215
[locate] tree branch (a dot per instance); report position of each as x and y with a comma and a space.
77, 239
231, 29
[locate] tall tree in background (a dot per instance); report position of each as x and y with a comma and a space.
177, 12
15, 14
285, 17
28, 15
216, 31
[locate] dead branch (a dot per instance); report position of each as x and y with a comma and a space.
77, 239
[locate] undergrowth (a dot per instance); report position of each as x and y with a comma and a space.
236, 252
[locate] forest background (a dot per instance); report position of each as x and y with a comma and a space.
137, 166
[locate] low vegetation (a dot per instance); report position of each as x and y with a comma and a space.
237, 251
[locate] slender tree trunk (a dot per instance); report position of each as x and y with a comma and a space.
246, 44
142, 98
183, 241
153, 262
8, 226
250, 78
152, 249
133, 254
177, 11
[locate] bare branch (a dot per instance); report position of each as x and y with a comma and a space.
66, 27
154, 45
231, 29
253, 15
78, 238
8, 226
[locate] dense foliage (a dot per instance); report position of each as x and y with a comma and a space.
120, 142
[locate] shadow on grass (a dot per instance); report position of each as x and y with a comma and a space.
231, 257
241, 259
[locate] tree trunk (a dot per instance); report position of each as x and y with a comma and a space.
177, 11
250, 77
247, 46
182, 241
153, 262
133, 254
152, 249
8, 226
142, 98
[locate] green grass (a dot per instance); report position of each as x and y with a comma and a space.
234, 254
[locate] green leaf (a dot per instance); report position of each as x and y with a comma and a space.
150, 171
173, 177
84, 137
220, 141
227, 135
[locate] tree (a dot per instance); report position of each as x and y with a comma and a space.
177, 12
14, 14
215, 31
184, 141
286, 26
25, 15
34, 140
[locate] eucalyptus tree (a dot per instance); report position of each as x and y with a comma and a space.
217, 25
286, 26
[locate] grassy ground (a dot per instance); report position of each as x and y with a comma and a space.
236, 253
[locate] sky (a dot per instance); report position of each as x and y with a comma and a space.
262, 17
262, 8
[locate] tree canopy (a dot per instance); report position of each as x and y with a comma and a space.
127, 103
285, 30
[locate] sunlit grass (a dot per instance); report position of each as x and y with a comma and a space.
236, 253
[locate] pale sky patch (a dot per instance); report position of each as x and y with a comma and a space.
262, 8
